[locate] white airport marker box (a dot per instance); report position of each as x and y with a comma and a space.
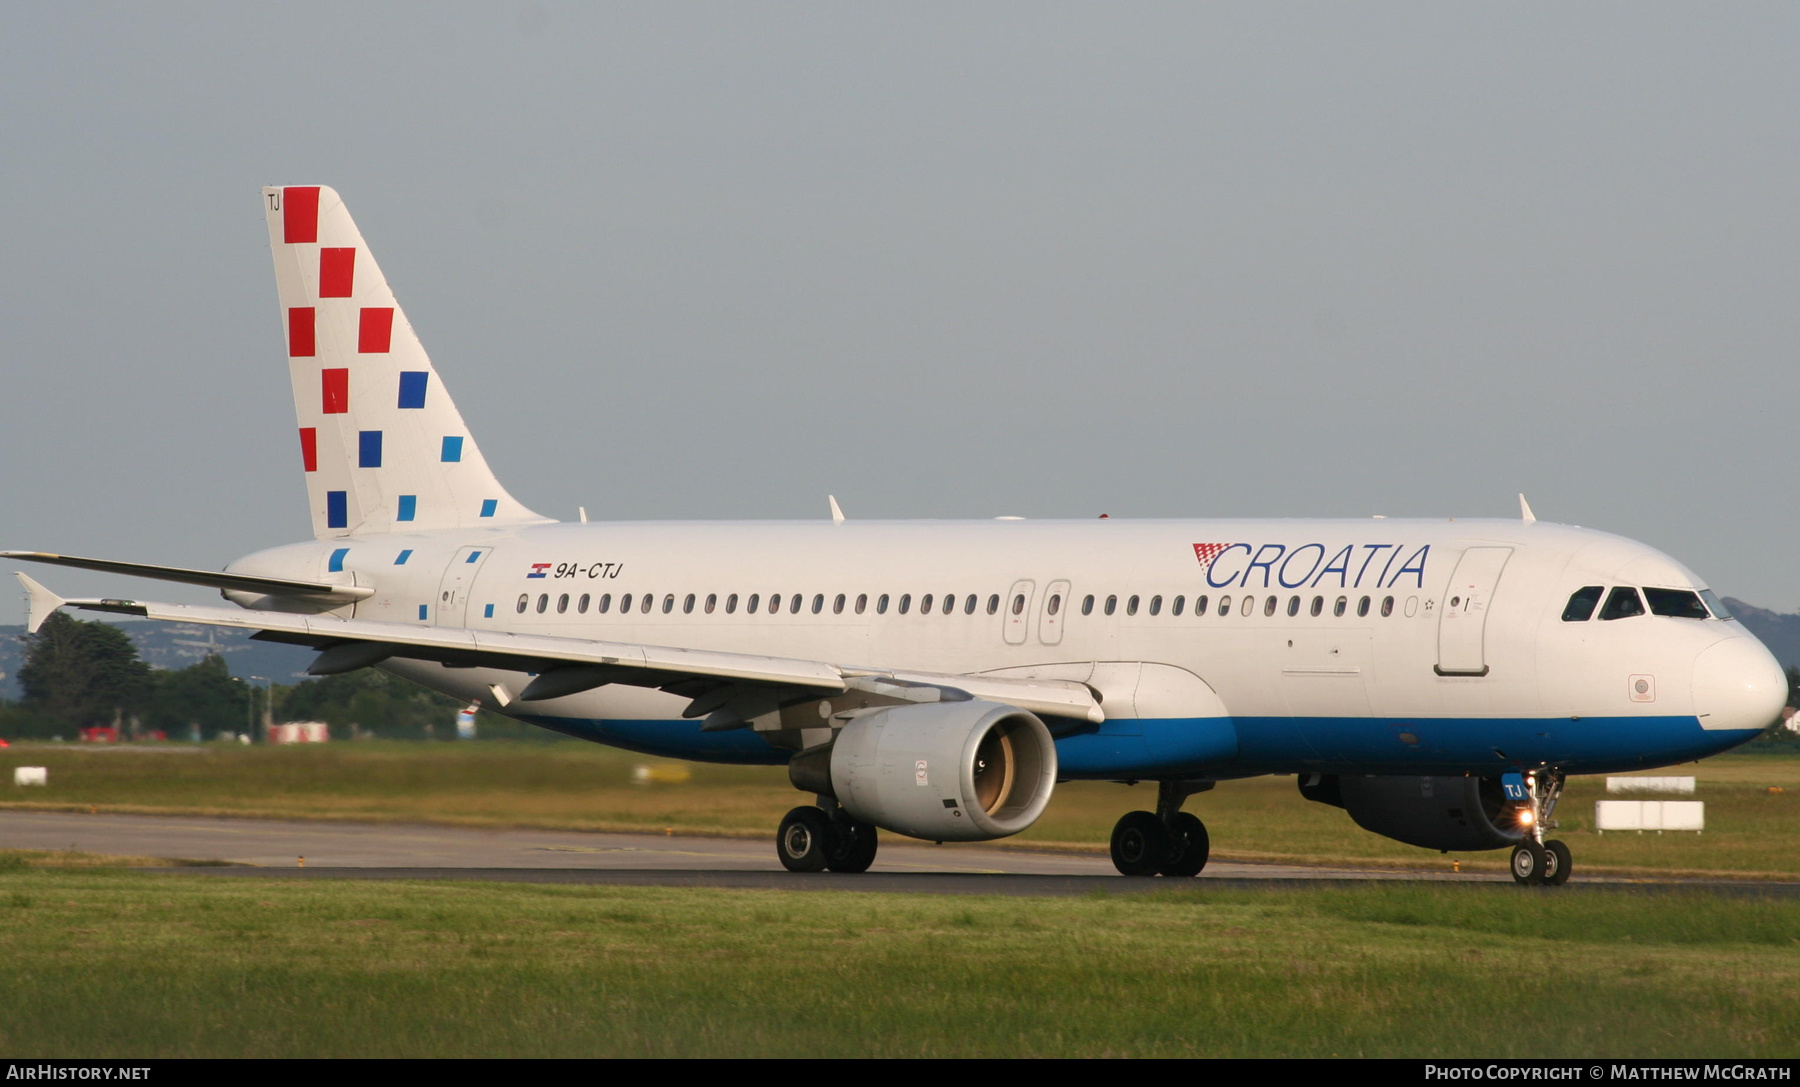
1677, 786
30, 775
1642, 815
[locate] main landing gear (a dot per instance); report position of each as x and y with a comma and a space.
1168, 841
1535, 860
814, 839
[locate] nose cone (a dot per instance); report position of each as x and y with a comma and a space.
1738, 685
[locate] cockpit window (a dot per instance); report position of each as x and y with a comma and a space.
1713, 604
1677, 603
1622, 603
1581, 604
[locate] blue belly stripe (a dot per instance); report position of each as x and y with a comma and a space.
1134, 748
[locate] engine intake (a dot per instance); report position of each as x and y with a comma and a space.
1444, 813
945, 771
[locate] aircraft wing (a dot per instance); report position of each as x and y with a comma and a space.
565, 666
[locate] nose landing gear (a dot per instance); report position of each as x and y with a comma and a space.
1535, 860
1168, 841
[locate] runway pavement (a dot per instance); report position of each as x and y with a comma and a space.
275, 848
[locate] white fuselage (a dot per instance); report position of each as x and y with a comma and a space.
1365, 645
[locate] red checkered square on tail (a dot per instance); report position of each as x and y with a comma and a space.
337, 272
300, 214
1206, 553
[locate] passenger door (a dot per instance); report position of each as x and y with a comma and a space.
452, 606
1462, 623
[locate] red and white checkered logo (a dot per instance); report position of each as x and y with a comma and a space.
1208, 552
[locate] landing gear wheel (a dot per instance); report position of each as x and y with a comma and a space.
1528, 863
852, 845
1557, 864
1140, 844
804, 840
1189, 845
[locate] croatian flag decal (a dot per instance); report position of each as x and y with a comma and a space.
1208, 552
539, 569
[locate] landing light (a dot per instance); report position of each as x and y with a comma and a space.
1525, 818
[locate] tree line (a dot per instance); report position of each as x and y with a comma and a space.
86, 674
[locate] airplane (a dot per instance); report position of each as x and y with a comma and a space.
1437, 679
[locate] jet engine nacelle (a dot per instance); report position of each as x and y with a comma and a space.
1444, 813
944, 771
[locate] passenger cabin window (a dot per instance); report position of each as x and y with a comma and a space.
837, 604
1018, 607
605, 603
1199, 606
582, 604
1318, 605
881, 605
1582, 601
562, 603
1131, 606
712, 601
1055, 604
1087, 604
1249, 605
1175, 605
648, 599
1675, 603
818, 603
1156, 605
862, 603
925, 604
1112, 605
624, 603
1224, 605
1362, 607
750, 605
669, 603
731, 604
687, 605
970, 604
1622, 603
524, 602
949, 603
794, 605
905, 602
1338, 608
1293, 606
1387, 606
1269, 606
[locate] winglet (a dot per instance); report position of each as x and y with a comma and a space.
1525, 513
39, 602
837, 515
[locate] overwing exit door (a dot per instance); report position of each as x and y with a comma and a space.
1462, 624
1055, 612
451, 608
1016, 609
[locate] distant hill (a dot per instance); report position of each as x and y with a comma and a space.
1779, 631
177, 645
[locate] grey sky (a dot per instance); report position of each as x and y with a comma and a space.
697, 261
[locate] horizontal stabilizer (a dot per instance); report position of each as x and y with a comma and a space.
217, 579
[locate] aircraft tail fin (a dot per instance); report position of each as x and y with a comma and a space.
383, 447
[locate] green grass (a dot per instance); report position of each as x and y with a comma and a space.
585, 786
105, 963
